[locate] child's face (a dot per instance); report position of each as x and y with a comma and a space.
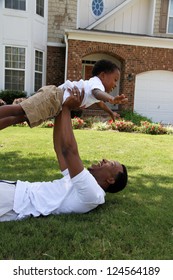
110, 80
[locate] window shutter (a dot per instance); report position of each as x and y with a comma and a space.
163, 16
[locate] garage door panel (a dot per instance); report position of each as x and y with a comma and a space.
152, 87
163, 118
154, 95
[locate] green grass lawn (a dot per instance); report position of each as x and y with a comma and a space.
134, 224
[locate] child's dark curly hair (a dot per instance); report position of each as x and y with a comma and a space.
103, 65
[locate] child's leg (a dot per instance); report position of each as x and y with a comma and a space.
11, 110
5, 122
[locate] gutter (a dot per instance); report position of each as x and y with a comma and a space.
66, 55
120, 38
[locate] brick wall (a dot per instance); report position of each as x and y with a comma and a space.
134, 60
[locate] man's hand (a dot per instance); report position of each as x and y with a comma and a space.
75, 99
119, 99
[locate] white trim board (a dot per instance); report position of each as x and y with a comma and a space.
120, 39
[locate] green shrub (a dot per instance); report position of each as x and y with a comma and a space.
169, 129
9, 95
88, 122
101, 126
22, 124
121, 125
77, 123
91, 121
152, 128
48, 124
133, 117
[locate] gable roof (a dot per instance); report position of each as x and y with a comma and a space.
113, 11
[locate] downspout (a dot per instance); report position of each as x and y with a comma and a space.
66, 55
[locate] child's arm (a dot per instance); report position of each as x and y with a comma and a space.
104, 107
120, 99
104, 96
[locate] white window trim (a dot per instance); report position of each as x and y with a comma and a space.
92, 10
36, 71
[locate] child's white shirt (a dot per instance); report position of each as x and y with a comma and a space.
88, 86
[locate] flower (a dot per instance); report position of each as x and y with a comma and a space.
77, 123
121, 125
152, 128
48, 124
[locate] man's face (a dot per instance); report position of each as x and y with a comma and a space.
108, 166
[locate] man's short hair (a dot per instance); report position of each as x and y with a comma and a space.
120, 181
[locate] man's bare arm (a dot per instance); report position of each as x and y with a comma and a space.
57, 143
64, 140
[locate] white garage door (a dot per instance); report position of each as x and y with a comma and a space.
154, 95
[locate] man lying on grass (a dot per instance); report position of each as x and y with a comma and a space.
78, 191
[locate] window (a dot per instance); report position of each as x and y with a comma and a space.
14, 68
40, 8
38, 70
15, 4
170, 18
97, 7
87, 67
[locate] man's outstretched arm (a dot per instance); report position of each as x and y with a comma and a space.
64, 141
57, 143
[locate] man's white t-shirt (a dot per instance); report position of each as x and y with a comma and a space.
79, 194
88, 86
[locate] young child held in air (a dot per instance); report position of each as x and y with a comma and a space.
47, 102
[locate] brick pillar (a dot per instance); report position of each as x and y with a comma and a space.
55, 65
